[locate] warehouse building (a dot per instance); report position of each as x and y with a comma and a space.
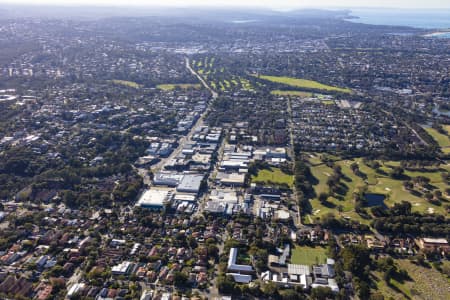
190, 183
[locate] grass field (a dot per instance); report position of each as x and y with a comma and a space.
441, 139
328, 102
185, 86
246, 85
304, 83
127, 83
292, 93
425, 283
447, 128
274, 175
308, 255
376, 182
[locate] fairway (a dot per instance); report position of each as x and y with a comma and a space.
305, 83
441, 139
375, 182
127, 83
274, 176
246, 85
446, 128
184, 86
308, 255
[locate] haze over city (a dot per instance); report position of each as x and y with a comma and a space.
274, 4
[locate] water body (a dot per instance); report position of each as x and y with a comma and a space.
439, 35
243, 21
428, 19
375, 200
439, 112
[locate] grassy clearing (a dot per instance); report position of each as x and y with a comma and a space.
328, 102
126, 83
292, 93
275, 176
430, 283
395, 290
304, 83
447, 128
441, 139
376, 182
184, 86
425, 283
308, 255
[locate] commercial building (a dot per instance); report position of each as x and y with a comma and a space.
167, 179
233, 179
155, 199
190, 183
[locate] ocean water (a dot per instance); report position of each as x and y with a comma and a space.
429, 19
441, 35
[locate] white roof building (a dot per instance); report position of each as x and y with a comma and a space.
190, 183
155, 198
75, 289
121, 269
294, 269
240, 278
233, 267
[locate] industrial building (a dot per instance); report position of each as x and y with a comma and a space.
155, 199
190, 183
167, 179
233, 179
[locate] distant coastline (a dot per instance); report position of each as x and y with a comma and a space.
439, 34
423, 19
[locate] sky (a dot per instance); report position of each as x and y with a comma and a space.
274, 4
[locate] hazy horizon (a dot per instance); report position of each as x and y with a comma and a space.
270, 4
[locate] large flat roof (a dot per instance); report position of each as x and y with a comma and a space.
167, 178
227, 196
154, 197
435, 240
190, 182
299, 269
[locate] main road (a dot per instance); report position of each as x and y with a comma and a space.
144, 172
298, 222
188, 66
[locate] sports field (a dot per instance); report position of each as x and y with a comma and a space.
308, 255
304, 83
275, 176
184, 86
127, 83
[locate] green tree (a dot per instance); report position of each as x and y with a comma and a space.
225, 284
179, 279
355, 258
322, 293
270, 289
